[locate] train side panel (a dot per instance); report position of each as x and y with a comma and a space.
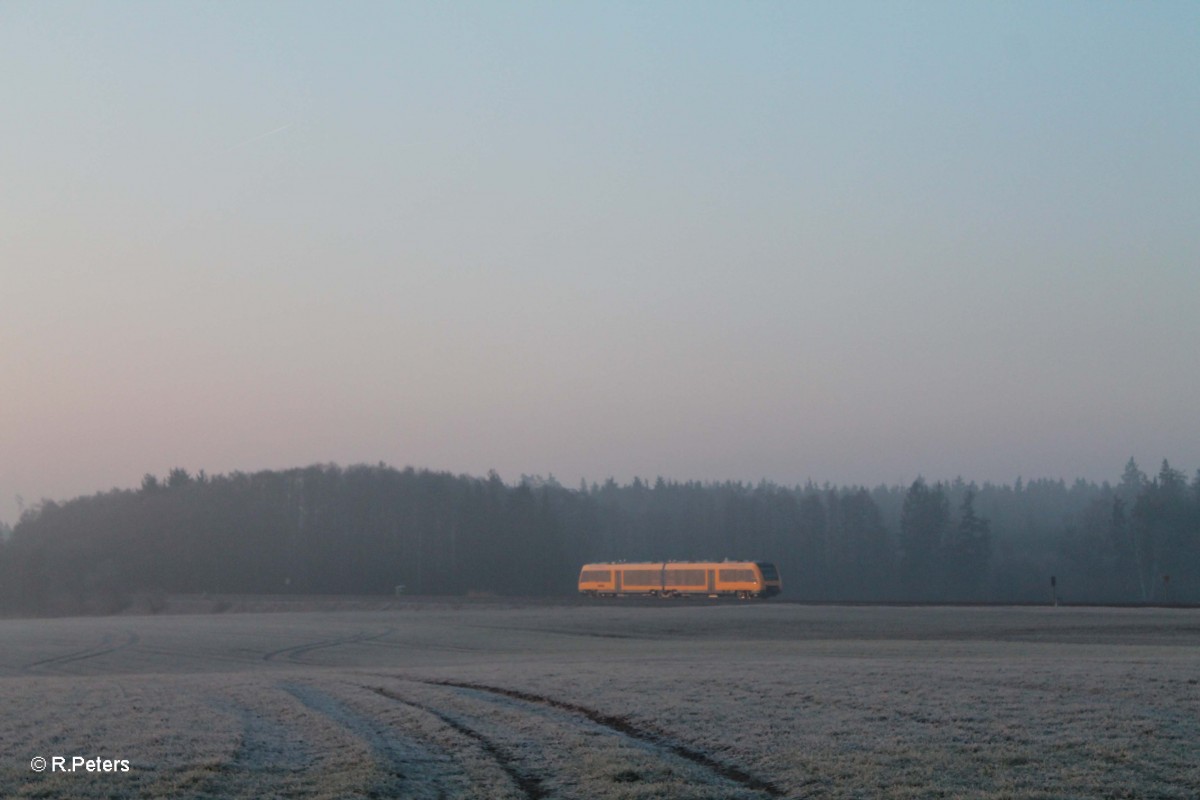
610, 580
743, 579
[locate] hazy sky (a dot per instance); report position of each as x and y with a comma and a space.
851, 242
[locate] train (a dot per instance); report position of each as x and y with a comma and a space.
741, 579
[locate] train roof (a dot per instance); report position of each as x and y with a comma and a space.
723, 562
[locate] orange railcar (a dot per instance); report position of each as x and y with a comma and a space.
744, 579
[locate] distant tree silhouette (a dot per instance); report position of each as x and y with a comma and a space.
923, 524
810, 569
368, 529
863, 565
1165, 536
967, 553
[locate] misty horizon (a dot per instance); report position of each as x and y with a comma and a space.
24, 503
853, 243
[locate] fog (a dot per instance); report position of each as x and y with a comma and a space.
854, 244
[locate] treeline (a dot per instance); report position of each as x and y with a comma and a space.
371, 529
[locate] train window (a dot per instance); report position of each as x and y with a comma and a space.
736, 575
601, 575
641, 577
685, 577
769, 572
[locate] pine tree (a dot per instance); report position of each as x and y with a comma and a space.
923, 522
968, 552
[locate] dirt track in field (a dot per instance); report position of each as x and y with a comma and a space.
608, 702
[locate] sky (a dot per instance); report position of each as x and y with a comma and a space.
846, 242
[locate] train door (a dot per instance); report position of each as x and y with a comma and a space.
712, 581
617, 578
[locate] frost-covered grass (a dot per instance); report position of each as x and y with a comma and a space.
609, 702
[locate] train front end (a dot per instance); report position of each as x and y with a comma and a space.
769, 579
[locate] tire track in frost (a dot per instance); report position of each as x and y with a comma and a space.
529, 785
625, 727
266, 744
294, 653
105, 646
405, 761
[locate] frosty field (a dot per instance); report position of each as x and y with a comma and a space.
606, 701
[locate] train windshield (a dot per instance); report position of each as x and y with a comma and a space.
769, 572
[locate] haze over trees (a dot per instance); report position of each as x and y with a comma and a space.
370, 529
